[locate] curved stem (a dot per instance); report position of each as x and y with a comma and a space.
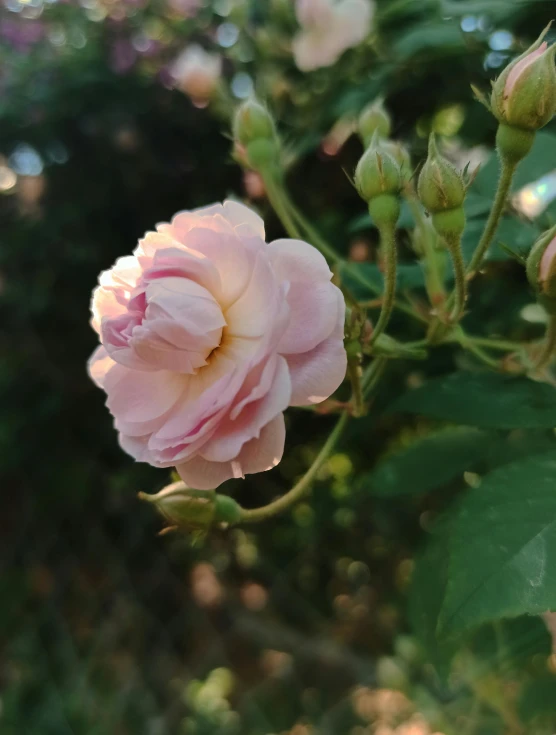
300, 488
507, 172
280, 205
549, 346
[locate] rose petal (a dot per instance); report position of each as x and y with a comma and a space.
317, 374
258, 455
316, 309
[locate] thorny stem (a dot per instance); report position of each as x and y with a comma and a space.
460, 288
388, 249
507, 172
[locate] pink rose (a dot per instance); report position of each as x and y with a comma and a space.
207, 335
196, 72
328, 28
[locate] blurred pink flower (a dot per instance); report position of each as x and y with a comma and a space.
208, 334
196, 73
328, 28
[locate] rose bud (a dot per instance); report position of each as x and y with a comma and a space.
252, 122
254, 129
189, 509
541, 269
379, 181
377, 171
374, 118
441, 190
524, 95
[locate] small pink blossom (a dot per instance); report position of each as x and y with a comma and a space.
207, 335
328, 28
196, 72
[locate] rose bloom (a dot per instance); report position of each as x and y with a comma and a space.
207, 335
328, 28
196, 73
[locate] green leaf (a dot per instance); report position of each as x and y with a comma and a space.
503, 547
537, 700
428, 463
487, 400
426, 594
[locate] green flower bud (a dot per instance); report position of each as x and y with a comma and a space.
440, 186
377, 172
541, 269
189, 509
374, 118
253, 122
524, 95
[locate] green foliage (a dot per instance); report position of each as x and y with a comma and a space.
507, 570
428, 463
486, 400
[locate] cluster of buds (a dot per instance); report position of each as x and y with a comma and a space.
255, 137
541, 270
186, 509
379, 181
524, 98
441, 189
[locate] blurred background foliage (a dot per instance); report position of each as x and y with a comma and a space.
301, 626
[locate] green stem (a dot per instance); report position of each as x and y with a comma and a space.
388, 249
277, 198
434, 282
547, 353
373, 374
460, 288
299, 490
507, 172
357, 398
494, 344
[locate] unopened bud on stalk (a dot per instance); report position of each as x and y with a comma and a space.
252, 122
255, 132
441, 190
374, 119
189, 509
524, 95
379, 181
541, 269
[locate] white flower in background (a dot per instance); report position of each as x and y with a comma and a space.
196, 73
328, 28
